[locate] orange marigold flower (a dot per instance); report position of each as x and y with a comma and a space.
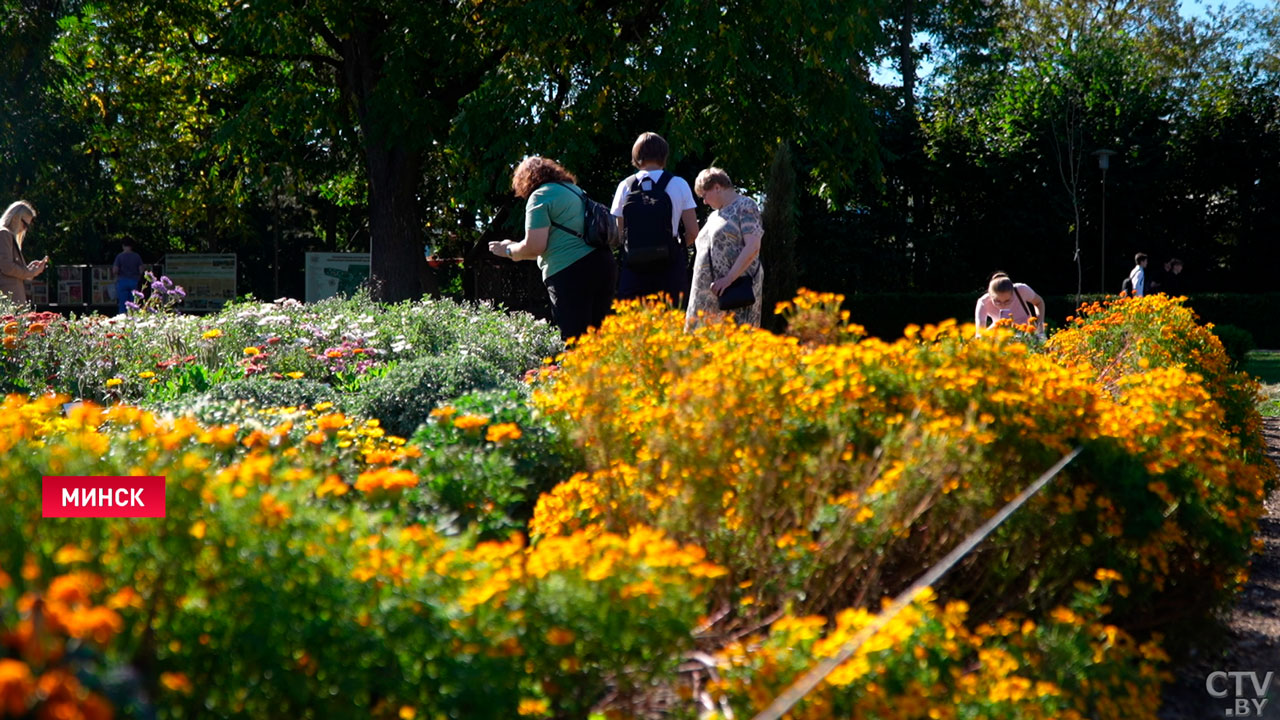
530, 706
560, 636
391, 479
16, 687
502, 432
469, 422
177, 682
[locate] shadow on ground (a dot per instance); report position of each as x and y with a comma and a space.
1250, 635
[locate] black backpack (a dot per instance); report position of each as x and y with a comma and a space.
1126, 287
646, 215
599, 227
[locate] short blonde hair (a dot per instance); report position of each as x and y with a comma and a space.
15, 212
712, 176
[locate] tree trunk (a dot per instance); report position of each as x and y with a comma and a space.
397, 262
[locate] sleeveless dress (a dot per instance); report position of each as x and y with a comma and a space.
721, 239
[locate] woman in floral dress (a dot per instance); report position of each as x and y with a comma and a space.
728, 246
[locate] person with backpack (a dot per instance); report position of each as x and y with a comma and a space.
1136, 284
1007, 300
579, 275
649, 206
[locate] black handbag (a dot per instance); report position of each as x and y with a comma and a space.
740, 293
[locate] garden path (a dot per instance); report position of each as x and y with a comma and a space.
1251, 631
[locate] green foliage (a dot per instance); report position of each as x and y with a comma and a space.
265, 392
404, 397
485, 478
1237, 342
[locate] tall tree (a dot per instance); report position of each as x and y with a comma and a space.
440, 99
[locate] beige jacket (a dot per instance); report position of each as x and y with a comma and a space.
14, 268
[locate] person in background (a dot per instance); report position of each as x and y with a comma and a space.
1138, 275
728, 246
1172, 282
579, 278
14, 268
634, 199
127, 270
1007, 300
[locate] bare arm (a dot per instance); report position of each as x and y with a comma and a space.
750, 248
690, 219
533, 245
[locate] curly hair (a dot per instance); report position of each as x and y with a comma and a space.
535, 171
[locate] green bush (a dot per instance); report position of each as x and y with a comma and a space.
488, 477
265, 392
1237, 342
404, 397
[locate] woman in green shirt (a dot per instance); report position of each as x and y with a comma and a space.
579, 278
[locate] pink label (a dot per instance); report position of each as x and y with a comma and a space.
134, 496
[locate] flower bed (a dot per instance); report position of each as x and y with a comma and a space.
750, 495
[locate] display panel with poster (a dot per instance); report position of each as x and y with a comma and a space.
208, 279
102, 286
71, 284
330, 274
38, 291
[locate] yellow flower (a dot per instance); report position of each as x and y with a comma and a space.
69, 555
114, 382
146, 374
211, 334
296, 375
197, 529
251, 351
407, 712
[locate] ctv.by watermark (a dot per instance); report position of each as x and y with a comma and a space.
1247, 692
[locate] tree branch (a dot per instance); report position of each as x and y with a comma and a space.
212, 49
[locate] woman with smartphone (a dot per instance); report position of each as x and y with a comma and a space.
1007, 300
14, 268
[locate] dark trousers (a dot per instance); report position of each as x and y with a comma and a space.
582, 293
673, 279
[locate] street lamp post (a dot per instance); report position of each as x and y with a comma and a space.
1104, 162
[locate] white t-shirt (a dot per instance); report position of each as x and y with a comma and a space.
678, 190
1139, 278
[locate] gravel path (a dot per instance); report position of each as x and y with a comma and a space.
1251, 636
